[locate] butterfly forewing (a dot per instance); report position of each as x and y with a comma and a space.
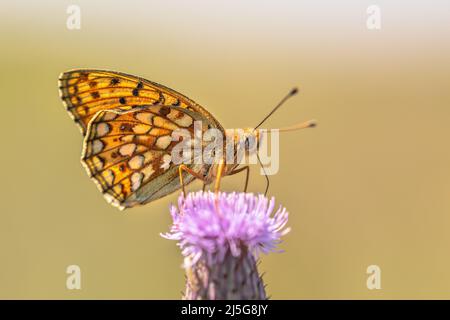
85, 92
125, 150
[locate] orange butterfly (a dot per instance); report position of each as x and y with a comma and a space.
127, 123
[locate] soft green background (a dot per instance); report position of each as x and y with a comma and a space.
369, 186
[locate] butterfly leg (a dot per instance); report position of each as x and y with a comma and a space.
247, 175
182, 168
219, 176
265, 175
217, 184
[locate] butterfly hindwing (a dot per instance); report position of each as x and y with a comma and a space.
128, 152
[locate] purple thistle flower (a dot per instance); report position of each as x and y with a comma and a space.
221, 238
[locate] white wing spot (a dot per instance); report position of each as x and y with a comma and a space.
185, 121
148, 156
145, 117
102, 129
163, 142
148, 171
166, 161
108, 116
136, 162
127, 149
141, 128
97, 146
136, 180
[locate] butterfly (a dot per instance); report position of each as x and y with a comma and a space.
127, 123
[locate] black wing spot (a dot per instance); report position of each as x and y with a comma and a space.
126, 127
95, 95
135, 92
122, 100
84, 75
114, 81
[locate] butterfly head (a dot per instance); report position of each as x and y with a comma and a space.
249, 141
245, 141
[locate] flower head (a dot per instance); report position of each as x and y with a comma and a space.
208, 225
221, 236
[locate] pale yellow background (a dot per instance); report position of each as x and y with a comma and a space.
369, 186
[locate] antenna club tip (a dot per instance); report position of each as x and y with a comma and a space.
294, 91
312, 124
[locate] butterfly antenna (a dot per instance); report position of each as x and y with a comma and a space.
302, 125
291, 93
265, 175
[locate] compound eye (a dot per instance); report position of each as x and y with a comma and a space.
250, 143
247, 144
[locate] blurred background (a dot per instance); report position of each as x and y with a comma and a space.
369, 186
